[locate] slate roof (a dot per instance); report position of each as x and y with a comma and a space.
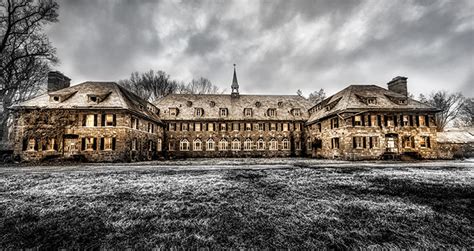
186, 103
111, 95
354, 98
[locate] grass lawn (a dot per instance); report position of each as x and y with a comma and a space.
283, 205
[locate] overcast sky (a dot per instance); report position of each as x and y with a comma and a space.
278, 46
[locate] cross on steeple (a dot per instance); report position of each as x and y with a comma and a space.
235, 85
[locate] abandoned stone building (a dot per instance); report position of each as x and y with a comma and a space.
95, 121
101, 121
224, 125
370, 122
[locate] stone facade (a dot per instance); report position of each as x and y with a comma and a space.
100, 121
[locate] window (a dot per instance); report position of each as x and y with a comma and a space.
172, 126
197, 127
334, 123
357, 120
223, 126
297, 127
285, 127
258, 104
273, 145
91, 120
261, 126
173, 111
151, 127
92, 99
50, 144
159, 145
297, 145
210, 145
309, 146
335, 143
425, 142
183, 145
260, 144
223, 112
197, 145
248, 126
171, 145
374, 142
271, 112
210, 127
31, 145
273, 127
134, 144
320, 128
212, 104
107, 144
223, 145
108, 120
408, 142
280, 104
184, 126
134, 123
235, 126
90, 144
56, 98
406, 120
286, 144
358, 142
235, 145
296, 112
372, 101
248, 112
248, 145
422, 120
198, 112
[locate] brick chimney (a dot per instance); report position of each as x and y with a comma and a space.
398, 85
57, 81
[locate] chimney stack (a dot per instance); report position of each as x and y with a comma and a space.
57, 81
398, 85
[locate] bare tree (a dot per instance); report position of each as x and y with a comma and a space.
466, 116
450, 105
299, 93
200, 86
25, 51
317, 96
150, 85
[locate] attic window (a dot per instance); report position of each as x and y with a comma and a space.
223, 112
258, 104
280, 104
173, 111
248, 112
296, 112
93, 99
212, 103
56, 98
371, 101
189, 103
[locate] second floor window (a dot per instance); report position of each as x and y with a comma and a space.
91, 120
261, 126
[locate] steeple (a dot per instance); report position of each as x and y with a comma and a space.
235, 86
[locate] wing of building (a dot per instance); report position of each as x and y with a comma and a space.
97, 121
102, 121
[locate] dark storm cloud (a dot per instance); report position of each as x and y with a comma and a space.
279, 46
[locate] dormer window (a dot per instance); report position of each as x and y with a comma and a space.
296, 112
248, 112
371, 101
157, 111
212, 104
328, 108
223, 112
280, 104
271, 112
173, 111
93, 99
402, 101
55, 99
198, 112
258, 104
189, 103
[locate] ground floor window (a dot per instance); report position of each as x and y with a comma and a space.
184, 145
107, 143
308, 144
358, 142
134, 144
223, 145
408, 142
286, 144
248, 145
260, 144
374, 142
197, 145
210, 145
159, 145
273, 145
297, 145
235, 145
31, 145
425, 142
89, 144
335, 143
172, 145
51, 144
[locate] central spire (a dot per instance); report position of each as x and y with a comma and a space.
235, 85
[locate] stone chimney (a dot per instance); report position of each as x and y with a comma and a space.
57, 81
398, 85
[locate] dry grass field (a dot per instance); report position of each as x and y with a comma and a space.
298, 204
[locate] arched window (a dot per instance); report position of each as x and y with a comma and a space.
273, 145
197, 145
248, 144
223, 145
184, 145
260, 144
286, 144
210, 145
236, 145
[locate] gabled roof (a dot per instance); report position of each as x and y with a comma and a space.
211, 103
355, 98
110, 96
